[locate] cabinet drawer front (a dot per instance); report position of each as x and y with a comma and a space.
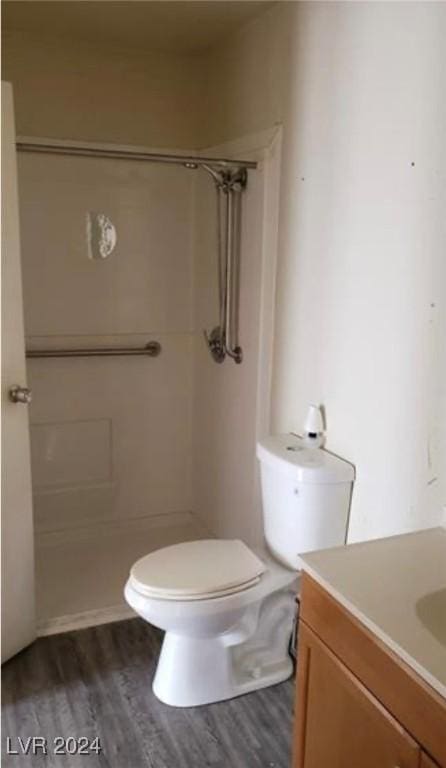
420, 709
340, 723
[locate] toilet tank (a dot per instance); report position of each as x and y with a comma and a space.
306, 495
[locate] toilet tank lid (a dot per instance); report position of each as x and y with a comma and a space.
289, 455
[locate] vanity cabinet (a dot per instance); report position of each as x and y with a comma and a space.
358, 705
343, 724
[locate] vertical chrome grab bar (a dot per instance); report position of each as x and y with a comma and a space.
215, 340
228, 280
233, 265
221, 247
223, 339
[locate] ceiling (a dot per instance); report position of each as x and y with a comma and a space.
186, 26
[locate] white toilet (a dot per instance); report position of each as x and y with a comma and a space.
227, 611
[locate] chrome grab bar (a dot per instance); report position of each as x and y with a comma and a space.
233, 272
152, 349
223, 339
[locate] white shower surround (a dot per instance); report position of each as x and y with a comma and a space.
111, 438
74, 395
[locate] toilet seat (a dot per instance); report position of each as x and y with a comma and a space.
197, 570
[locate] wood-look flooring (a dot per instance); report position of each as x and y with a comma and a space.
97, 682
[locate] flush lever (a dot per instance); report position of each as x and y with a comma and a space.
19, 394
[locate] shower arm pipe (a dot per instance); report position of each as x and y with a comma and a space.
80, 150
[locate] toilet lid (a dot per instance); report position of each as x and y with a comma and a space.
197, 569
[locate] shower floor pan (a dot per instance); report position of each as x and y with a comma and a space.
80, 573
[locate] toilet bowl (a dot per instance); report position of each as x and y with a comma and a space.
206, 654
227, 612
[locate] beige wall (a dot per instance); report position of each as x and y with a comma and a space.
103, 93
361, 303
99, 93
247, 76
360, 309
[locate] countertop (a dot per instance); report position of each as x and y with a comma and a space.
397, 588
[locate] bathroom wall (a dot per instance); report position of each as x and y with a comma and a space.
360, 310
111, 437
247, 77
97, 92
361, 316
360, 306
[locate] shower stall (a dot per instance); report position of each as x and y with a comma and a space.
146, 277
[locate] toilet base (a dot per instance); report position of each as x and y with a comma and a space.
194, 671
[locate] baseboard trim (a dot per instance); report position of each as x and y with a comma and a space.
84, 620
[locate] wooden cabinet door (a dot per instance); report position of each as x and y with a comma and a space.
338, 722
427, 762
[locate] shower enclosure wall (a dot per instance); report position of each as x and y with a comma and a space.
133, 453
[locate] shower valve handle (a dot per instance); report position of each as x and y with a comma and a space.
19, 394
215, 344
